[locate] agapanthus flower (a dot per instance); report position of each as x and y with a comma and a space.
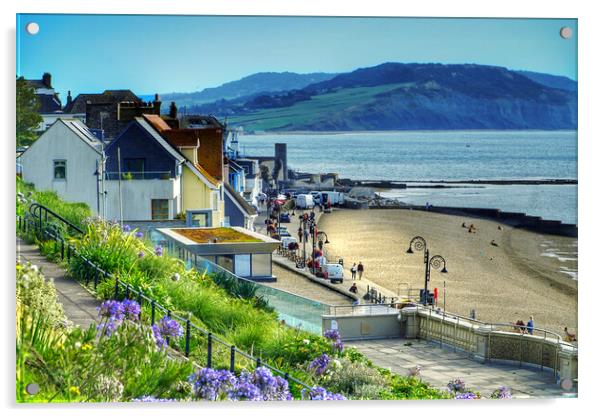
338, 346
332, 334
209, 383
320, 364
320, 394
466, 396
131, 309
141, 254
502, 393
271, 387
109, 326
245, 390
111, 309
126, 228
139, 235
166, 327
456, 385
159, 250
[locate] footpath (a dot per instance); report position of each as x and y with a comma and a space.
79, 305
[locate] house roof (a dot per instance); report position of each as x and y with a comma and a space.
177, 155
203, 175
80, 130
239, 201
78, 105
49, 103
157, 122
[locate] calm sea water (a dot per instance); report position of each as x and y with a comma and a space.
436, 156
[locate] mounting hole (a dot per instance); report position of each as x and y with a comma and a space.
32, 389
32, 28
566, 32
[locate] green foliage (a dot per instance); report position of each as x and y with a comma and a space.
402, 388
353, 379
28, 118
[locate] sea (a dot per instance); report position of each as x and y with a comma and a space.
420, 156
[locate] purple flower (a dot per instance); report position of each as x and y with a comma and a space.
320, 394
271, 387
466, 396
126, 228
111, 309
109, 326
166, 327
502, 393
159, 250
131, 309
338, 346
456, 385
209, 383
320, 364
139, 235
245, 390
332, 334
141, 254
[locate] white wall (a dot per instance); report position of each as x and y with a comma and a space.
136, 196
59, 142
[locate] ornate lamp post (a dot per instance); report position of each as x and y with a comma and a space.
436, 262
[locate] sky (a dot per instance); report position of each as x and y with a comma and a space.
149, 54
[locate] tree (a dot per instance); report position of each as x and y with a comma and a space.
28, 118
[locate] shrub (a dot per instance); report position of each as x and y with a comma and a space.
353, 379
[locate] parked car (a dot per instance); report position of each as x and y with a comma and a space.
285, 218
282, 231
333, 272
286, 241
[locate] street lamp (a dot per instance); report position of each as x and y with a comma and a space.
436, 262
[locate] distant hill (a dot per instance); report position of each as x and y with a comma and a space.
395, 96
261, 82
554, 81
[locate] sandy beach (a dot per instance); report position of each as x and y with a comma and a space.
502, 283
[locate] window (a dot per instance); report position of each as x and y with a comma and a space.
160, 209
261, 265
242, 265
60, 169
226, 262
133, 165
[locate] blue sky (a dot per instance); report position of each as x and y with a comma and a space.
147, 54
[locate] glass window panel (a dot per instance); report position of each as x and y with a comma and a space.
160, 209
226, 262
262, 265
60, 170
242, 265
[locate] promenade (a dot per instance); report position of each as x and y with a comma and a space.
79, 305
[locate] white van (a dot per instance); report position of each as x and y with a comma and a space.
304, 201
333, 272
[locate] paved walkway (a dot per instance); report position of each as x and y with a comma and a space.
439, 366
79, 305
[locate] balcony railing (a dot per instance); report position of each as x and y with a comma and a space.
146, 175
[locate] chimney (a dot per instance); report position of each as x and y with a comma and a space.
173, 110
157, 105
69, 98
47, 79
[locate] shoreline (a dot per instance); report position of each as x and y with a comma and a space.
363, 132
504, 283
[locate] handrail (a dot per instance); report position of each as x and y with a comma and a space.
71, 250
35, 209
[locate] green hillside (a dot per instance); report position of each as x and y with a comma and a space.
320, 109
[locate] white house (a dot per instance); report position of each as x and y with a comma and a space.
65, 159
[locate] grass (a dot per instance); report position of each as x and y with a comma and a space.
216, 235
317, 110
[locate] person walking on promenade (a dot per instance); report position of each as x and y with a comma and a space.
530, 325
360, 270
353, 270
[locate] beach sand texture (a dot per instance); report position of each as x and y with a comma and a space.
503, 284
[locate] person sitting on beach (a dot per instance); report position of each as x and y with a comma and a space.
569, 337
520, 326
493, 243
500, 227
464, 225
353, 288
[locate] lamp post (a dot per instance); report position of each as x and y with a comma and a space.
303, 218
315, 234
436, 262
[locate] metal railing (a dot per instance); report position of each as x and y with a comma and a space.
139, 175
363, 309
93, 275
